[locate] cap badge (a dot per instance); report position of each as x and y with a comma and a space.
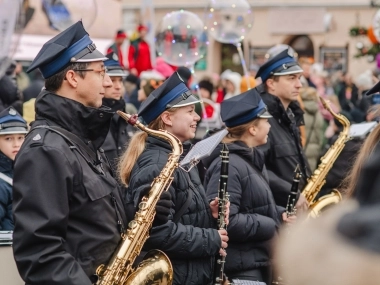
115, 57
36, 137
284, 66
12, 112
290, 52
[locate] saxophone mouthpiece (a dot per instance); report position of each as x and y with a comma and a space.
131, 119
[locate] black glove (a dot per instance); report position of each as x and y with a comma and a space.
163, 207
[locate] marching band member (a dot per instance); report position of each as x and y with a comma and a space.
254, 216
189, 238
283, 151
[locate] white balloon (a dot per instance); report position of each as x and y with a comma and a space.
228, 21
181, 39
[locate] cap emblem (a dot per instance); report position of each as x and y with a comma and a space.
290, 52
12, 112
284, 66
115, 57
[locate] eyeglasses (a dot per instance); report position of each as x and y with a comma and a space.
102, 72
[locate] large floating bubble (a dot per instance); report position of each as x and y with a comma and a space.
181, 39
228, 21
11, 24
63, 13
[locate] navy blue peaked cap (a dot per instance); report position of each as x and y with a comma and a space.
69, 46
113, 65
11, 122
172, 93
243, 108
283, 63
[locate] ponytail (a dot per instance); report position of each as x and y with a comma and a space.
135, 149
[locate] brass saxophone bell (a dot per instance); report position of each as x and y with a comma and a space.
155, 269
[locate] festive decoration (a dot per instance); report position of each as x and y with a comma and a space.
358, 31
368, 51
372, 36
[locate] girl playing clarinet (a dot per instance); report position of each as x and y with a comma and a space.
254, 217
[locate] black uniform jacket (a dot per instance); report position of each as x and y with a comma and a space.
283, 150
119, 133
254, 216
65, 213
193, 242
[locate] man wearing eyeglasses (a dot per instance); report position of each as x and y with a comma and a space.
67, 206
283, 151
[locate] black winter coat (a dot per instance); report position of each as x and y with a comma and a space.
65, 213
6, 217
119, 133
193, 242
254, 216
283, 150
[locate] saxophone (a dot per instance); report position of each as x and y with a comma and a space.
156, 267
318, 179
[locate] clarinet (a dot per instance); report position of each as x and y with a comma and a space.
292, 198
222, 201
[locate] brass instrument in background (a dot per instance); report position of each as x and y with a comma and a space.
318, 179
156, 267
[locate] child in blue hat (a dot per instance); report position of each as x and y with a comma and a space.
12, 133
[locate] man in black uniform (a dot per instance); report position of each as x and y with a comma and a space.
283, 151
120, 131
68, 209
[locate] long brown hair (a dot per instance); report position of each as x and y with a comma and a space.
348, 185
236, 133
136, 147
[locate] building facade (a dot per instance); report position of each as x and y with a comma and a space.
317, 29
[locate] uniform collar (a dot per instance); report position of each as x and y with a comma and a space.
86, 122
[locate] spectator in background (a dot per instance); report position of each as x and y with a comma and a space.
206, 89
349, 98
22, 78
313, 124
150, 80
10, 95
139, 53
233, 80
12, 134
305, 64
120, 131
132, 85
120, 38
162, 67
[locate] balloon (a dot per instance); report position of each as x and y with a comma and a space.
11, 24
371, 35
228, 21
63, 13
181, 39
275, 50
